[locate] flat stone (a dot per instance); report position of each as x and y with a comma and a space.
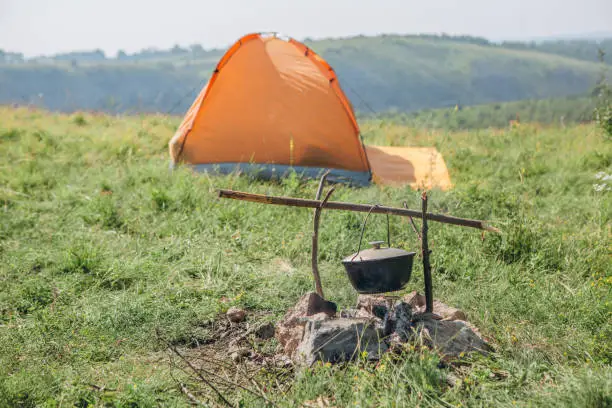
357, 313
309, 305
448, 312
451, 338
290, 329
417, 301
314, 318
339, 340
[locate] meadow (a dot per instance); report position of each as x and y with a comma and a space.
106, 256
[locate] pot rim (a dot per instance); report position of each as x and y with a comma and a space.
347, 260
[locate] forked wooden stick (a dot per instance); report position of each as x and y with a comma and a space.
315, 234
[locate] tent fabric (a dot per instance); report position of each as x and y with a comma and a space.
277, 172
419, 167
272, 102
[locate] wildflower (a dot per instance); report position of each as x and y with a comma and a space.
599, 187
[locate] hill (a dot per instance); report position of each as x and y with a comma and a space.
106, 257
404, 73
408, 73
557, 111
582, 49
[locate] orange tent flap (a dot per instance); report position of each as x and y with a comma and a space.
415, 166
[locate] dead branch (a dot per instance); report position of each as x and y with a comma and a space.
189, 395
412, 224
199, 374
209, 383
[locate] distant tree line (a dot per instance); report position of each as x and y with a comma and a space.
580, 49
11, 57
97, 55
557, 111
381, 74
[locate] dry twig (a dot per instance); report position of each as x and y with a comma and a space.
199, 374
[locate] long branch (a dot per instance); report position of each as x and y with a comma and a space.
337, 205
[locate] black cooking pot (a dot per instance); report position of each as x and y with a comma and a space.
378, 270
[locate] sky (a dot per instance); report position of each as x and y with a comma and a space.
44, 27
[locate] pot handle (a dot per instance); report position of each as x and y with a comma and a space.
363, 230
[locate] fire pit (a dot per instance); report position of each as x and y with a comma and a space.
376, 270
317, 332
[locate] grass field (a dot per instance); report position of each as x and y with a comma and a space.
102, 248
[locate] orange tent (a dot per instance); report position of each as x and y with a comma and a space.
271, 105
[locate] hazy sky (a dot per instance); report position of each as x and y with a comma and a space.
49, 26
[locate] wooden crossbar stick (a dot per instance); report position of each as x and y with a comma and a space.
337, 205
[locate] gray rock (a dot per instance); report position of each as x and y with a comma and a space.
451, 338
290, 329
357, 313
265, 331
339, 340
417, 301
316, 317
372, 304
402, 320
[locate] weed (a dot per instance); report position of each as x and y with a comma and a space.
161, 200
79, 120
10, 135
82, 258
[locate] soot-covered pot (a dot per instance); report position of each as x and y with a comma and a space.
379, 270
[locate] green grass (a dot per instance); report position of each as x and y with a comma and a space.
559, 111
101, 247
